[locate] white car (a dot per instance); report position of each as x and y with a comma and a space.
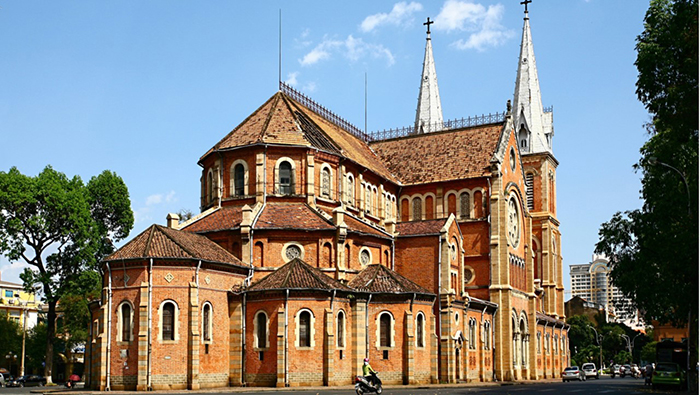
572, 373
590, 370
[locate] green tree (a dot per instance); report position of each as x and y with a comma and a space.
649, 352
10, 337
61, 227
655, 249
580, 333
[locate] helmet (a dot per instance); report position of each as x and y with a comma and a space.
366, 359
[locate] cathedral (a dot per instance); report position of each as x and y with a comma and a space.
319, 245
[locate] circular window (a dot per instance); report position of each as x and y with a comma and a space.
365, 257
513, 222
512, 158
453, 251
468, 274
292, 251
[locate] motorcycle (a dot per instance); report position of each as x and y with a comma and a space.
362, 386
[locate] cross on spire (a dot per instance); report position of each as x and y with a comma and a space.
526, 2
428, 23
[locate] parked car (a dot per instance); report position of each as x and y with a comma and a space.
27, 381
572, 373
668, 373
625, 370
4, 378
590, 370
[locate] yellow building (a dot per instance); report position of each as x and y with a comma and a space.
17, 304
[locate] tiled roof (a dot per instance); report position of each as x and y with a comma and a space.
380, 279
282, 120
9, 284
162, 242
222, 219
544, 317
413, 228
297, 274
291, 216
356, 225
463, 153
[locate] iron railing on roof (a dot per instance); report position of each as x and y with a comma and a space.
323, 111
548, 109
459, 123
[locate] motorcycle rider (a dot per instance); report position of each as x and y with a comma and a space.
367, 372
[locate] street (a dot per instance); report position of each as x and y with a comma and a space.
605, 385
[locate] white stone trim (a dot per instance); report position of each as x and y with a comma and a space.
378, 331
420, 329
176, 322
293, 181
120, 323
343, 340
284, 251
359, 256
331, 190
231, 175
349, 197
312, 329
211, 324
255, 331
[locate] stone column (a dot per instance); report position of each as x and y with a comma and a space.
409, 350
142, 378
236, 376
281, 356
328, 348
101, 379
432, 330
310, 179
359, 345
193, 339
447, 349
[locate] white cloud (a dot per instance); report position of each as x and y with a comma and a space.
483, 24
154, 199
401, 13
143, 213
292, 79
351, 48
309, 87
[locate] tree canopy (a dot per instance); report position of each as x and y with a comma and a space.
653, 251
62, 228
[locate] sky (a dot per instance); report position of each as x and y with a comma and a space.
144, 88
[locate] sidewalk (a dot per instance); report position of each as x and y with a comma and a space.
80, 391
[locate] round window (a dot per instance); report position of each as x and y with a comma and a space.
468, 274
513, 222
292, 251
365, 258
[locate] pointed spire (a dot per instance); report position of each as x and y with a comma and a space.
532, 124
429, 111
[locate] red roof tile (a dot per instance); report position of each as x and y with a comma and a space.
414, 228
356, 225
166, 243
296, 274
441, 156
291, 216
222, 219
381, 279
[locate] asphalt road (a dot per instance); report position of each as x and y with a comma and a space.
604, 386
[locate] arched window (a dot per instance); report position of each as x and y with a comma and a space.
429, 208
368, 199
125, 316
210, 186
556, 344
259, 254
305, 328
260, 330
487, 335
168, 317
327, 257
404, 210
472, 333
452, 204
206, 322
529, 191
417, 209
478, 205
350, 190
539, 342
464, 205
420, 330
238, 180
547, 344
286, 179
347, 256
326, 182
385, 330
340, 333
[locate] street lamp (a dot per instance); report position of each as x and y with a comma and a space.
654, 161
10, 357
599, 340
630, 343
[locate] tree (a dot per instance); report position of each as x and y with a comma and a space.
655, 249
61, 227
10, 337
649, 352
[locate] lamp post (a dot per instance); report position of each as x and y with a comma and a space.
653, 161
10, 357
599, 340
630, 343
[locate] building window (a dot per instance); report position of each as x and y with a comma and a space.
420, 330
539, 342
417, 209
350, 190
285, 181
9, 293
239, 180
385, 330
168, 320
365, 256
472, 333
206, 322
305, 328
487, 335
464, 205
529, 191
340, 333
326, 182
291, 251
210, 186
260, 330
126, 319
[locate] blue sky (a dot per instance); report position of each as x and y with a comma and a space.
144, 88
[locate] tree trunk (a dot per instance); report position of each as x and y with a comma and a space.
50, 335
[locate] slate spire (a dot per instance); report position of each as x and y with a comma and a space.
429, 111
532, 124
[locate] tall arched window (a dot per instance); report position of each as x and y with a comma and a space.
420, 329
305, 329
452, 204
210, 187
385, 330
368, 198
261, 338
326, 183
286, 179
327, 256
404, 210
340, 333
239, 180
125, 316
487, 335
472, 333
478, 205
350, 190
429, 208
168, 328
206, 322
417, 209
259, 254
464, 205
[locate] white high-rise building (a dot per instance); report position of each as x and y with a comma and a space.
591, 281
